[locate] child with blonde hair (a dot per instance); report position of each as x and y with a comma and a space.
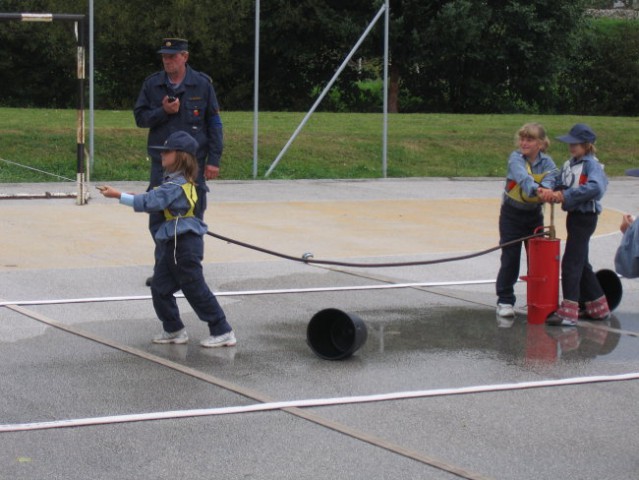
530, 171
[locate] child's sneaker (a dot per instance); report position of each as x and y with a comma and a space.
225, 340
505, 310
178, 337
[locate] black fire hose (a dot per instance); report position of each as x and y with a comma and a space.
308, 257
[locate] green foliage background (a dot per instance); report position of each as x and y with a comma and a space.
457, 56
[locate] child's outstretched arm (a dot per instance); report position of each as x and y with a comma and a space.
109, 192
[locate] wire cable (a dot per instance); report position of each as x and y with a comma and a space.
36, 170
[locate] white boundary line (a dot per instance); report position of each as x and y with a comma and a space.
261, 407
253, 292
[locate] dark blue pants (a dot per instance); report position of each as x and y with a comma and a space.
185, 275
578, 281
514, 223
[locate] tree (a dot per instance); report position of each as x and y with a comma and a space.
480, 55
603, 74
38, 63
303, 43
128, 35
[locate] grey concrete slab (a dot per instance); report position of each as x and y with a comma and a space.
419, 339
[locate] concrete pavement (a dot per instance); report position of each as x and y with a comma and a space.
76, 324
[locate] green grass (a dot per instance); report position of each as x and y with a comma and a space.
331, 145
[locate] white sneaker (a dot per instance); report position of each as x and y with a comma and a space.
505, 322
505, 310
226, 340
178, 337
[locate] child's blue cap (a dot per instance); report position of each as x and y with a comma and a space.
181, 141
633, 172
579, 133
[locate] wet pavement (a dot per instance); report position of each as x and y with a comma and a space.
441, 389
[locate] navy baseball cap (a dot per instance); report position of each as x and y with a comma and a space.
579, 133
174, 45
179, 140
633, 172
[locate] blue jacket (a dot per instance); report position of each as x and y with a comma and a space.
627, 256
168, 195
584, 183
199, 116
519, 175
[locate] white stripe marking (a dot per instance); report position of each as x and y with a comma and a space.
261, 407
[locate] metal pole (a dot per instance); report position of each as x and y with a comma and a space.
326, 89
256, 87
385, 120
81, 180
91, 91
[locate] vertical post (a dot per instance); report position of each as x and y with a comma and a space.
81, 175
91, 48
385, 121
256, 87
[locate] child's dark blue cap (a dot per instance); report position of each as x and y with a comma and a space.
579, 133
180, 141
633, 172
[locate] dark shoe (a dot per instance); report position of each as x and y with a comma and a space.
556, 320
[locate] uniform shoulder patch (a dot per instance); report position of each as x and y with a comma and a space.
210, 80
152, 75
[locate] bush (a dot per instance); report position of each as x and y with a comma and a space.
602, 76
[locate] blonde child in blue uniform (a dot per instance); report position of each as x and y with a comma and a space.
580, 188
530, 171
180, 244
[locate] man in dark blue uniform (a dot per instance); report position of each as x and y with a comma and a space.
180, 98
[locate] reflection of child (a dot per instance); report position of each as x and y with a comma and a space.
180, 241
530, 172
580, 187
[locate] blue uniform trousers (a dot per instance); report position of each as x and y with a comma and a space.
181, 269
578, 281
514, 223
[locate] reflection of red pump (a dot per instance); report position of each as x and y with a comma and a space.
543, 274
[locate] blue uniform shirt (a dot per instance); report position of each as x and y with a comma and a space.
168, 195
198, 115
519, 173
584, 184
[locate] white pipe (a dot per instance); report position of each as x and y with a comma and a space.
253, 292
261, 407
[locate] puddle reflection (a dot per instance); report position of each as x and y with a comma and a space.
479, 331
